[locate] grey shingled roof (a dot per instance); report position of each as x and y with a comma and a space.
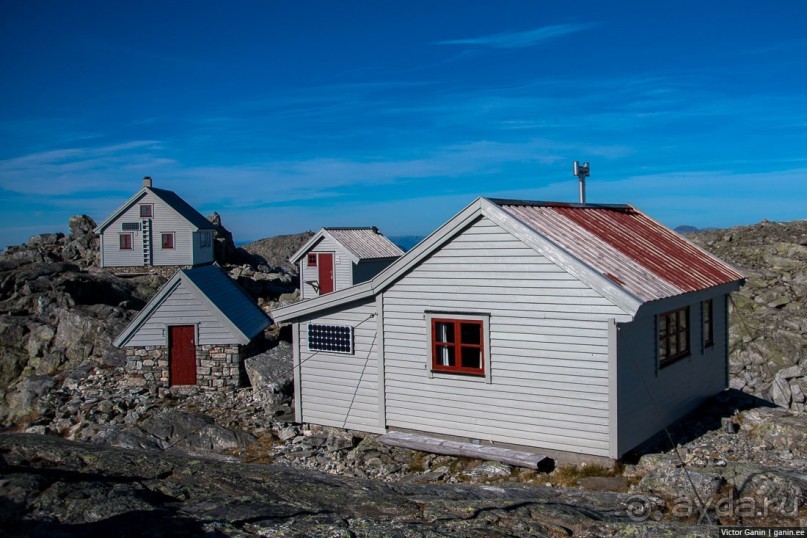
183, 208
365, 243
228, 298
212, 286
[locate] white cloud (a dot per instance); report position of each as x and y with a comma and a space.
529, 38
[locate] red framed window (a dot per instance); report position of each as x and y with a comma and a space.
168, 240
673, 336
146, 211
125, 241
312, 260
708, 323
458, 346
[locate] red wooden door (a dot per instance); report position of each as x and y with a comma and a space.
325, 273
182, 356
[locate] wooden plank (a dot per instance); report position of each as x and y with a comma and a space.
455, 448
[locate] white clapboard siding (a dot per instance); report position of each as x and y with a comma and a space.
343, 268
202, 254
548, 347
341, 389
650, 398
181, 307
164, 219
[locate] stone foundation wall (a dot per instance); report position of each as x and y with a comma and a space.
165, 271
217, 367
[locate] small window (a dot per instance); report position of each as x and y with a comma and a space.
205, 239
673, 336
312, 260
331, 338
146, 211
708, 323
130, 226
168, 240
458, 346
125, 241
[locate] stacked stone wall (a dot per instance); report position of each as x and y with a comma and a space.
218, 367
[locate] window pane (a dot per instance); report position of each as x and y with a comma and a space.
682, 319
471, 333
445, 356
168, 240
444, 331
672, 323
471, 357
145, 210
673, 346
682, 341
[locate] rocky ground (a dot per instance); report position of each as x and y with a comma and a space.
768, 349
197, 462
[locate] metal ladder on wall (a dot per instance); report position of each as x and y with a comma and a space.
146, 227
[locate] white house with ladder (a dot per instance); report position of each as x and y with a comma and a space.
155, 227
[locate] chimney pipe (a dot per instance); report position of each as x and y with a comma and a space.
582, 172
147, 182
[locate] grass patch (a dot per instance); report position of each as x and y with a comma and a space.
568, 475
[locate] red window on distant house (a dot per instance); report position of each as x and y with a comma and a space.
146, 211
312, 260
673, 336
168, 240
125, 241
458, 346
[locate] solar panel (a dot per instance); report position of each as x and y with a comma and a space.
331, 338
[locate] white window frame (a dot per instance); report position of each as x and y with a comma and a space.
454, 315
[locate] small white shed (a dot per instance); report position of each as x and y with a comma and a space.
581, 328
155, 227
196, 330
337, 258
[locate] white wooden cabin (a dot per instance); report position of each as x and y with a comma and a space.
572, 327
337, 258
155, 227
196, 330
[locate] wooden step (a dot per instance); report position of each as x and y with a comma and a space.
424, 443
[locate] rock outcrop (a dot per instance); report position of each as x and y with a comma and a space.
274, 252
57, 487
768, 349
80, 247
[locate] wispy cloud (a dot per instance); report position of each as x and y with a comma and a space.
516, 40
71, 171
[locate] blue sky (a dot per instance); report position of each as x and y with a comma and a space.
287, 116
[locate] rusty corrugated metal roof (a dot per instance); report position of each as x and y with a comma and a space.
648, 260
365, 243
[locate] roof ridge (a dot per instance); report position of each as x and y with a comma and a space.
571, 205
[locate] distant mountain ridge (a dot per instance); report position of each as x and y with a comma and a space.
406, 242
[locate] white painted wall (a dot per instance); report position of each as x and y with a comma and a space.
338, 389
651, 398
549, 347
343, 268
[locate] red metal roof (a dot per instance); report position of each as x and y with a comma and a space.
637, 253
